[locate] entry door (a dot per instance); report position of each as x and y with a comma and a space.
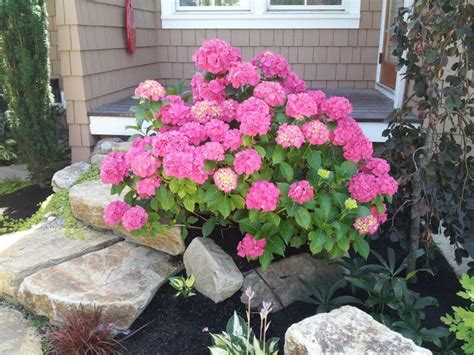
388, 62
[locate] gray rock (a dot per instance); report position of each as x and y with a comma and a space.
217, 276
96, 159
24, 253
281, 283
346, 330
88, 201
121, 147
121, 280
65, 178
14, 171
17, 337
105, 145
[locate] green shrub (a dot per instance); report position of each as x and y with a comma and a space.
24, 75
462, 321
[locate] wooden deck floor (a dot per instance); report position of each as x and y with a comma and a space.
368, 105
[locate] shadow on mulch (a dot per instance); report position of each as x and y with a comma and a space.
23, 203
170, 326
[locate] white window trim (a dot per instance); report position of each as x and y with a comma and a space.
260, 15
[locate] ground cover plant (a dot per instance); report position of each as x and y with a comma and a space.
256, 150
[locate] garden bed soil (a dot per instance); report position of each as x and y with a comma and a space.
23, 203
172, 325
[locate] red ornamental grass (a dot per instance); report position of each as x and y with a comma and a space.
86, 332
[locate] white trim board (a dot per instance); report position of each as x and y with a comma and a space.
115, 126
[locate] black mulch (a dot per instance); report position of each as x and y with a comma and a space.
181, 326
23, 203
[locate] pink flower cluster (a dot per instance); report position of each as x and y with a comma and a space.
301, 192
289, 136
241, 74
336, 108
365, 187
254, 117
225, 179
216, 56
300, 106
315, 132
250, 247
272, 65
271, 92
263, 195
247, 162
150, 90
350, 136
132, 218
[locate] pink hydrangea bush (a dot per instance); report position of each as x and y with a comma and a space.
255, 148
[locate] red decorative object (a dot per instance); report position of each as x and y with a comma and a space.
130, 27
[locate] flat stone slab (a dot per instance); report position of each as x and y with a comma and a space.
217, 276
88, 201
121, 279
17, 337
24, 253
18, 171
281, 283
346, 330
65, 178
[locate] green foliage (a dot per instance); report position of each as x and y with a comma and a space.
90, 175
461, 323
7, 150
184, 286
433, 162
24, 75
11, 185
239, 339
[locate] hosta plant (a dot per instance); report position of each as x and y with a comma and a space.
184, 286
255, 150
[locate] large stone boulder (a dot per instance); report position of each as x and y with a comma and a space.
121, 280
24, 253
17, 337
346, 330
65, 178
217, 276
88, 201
281, 283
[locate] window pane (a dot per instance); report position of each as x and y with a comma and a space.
307, 2
209, 2
287, 2
324, 2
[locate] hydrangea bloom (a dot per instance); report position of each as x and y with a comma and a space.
251, 247
216, 56
114, 168
247, 162
376, 166
254, 117
144, 164
176, 112
301, 191
293, 84
346, 128
263, 195
358, 148
315, 132
289, 136
229, 110
387, 185
272, 64
225, 179
179, 164
366, 225
214, 90
318, 96
300, 106
241, 74
195, 132
204, 111
146, 187
212, 151
232, 140
381, 217
114, 212
134, 218
151, 90
169, 142
216, 129
336, 108
363, 187
271, 92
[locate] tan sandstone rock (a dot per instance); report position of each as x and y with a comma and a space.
24, 253
121, 280
88, 201
17, 337
217, 276
281, 283
346, 330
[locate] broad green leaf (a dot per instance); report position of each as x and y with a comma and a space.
276, 245
265, 259
224, 207
361, 246
278, 155
314, 159
274, 218
361, 211
212, 195
208, 227
286, 170
286, 230
189, 203
347, 169
237, 201
303, 218
325, 202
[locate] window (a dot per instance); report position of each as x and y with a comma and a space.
260, 13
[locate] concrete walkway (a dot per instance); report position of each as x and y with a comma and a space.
13, 171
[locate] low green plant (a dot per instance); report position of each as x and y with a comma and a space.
92, 174
239, 337
183, 285
461, 323
11, 185
323, 296
7, 150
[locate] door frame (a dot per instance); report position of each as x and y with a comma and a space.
398, 93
